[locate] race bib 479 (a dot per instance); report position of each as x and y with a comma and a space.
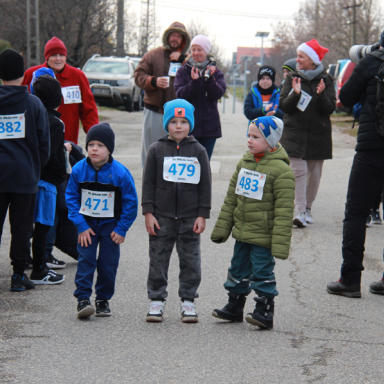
181, 169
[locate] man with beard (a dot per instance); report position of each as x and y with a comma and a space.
156, 75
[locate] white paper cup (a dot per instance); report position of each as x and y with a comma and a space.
167, 78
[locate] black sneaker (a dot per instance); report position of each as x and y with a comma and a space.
377, 287
262, 316
53, 263
343, 289
233, 311
84, 309
46, 277
21, 283
30, 263
375, 214
102, 308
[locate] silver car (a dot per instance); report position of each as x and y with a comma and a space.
112, 82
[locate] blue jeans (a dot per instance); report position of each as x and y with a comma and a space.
106, 264
208, 143
251, 268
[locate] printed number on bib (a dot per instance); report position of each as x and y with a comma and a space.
305, 99
71, 95
173, 68
250, 184
181, 170
97, 204
12, 126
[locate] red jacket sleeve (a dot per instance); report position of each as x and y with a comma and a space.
88, 110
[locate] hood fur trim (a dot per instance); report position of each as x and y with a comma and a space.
180, 28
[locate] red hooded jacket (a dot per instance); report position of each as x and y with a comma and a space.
85, 111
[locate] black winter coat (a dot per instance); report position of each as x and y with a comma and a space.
308, 135
361, 86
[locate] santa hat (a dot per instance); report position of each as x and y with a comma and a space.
314, 50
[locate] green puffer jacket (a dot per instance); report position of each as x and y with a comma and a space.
266, 222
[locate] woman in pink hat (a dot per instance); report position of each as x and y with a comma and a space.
307, 100
202, 91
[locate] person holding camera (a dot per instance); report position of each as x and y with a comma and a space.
307, 100
202, 84
367, 173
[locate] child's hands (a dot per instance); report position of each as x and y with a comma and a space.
116, 238
199, 225
85, 237
268, 107
150, 223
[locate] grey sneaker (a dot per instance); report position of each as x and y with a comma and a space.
308, 216
375, 214
300, 220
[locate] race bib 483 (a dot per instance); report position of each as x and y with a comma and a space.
250, 184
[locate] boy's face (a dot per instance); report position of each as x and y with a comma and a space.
178, 128
256, 141
285, 71
265, 82
98, 153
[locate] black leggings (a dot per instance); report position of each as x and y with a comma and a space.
39, 243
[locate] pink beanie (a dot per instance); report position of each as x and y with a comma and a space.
203, 42
314, 50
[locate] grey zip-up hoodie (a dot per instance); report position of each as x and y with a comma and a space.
176, 200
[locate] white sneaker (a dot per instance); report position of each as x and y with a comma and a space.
308, 216
156, 311
188, 312
300, 220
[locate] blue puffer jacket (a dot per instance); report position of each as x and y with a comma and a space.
253, 105
111, 177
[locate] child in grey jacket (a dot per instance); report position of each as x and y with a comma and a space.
176, 200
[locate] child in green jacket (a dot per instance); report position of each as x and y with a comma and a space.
258, 210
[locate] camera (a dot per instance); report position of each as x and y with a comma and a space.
357, 52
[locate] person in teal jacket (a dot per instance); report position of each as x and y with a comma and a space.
263, 100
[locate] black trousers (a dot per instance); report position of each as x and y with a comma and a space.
365, 183
39, 245
21, 211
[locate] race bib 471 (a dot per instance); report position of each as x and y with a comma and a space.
97, 204
12, 126
250, 184
181, 169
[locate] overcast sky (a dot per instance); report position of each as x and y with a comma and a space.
233, 23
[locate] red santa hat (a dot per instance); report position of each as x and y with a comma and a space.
314, 50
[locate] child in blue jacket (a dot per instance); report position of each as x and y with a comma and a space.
263, 100
102, 203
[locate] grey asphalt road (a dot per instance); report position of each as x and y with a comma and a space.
318, 338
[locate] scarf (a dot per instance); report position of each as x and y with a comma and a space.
311, 74
200, 66
267, 91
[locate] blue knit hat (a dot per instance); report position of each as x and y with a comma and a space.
40, 72
179, 108
271, 128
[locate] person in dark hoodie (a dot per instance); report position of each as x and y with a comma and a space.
263, 100
24, 149
288, 67
48, 90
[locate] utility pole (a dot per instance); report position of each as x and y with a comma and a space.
147, 25
120, 51
262, 35
33, 36
317, 17
245, 58
353, 23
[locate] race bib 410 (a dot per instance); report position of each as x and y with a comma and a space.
180, 169
97, 204
250, 184
71, 95
12, 126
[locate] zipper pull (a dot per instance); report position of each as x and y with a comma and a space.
178, 147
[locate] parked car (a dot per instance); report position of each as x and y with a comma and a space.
332, 69
136, 61
112, 82
344, 75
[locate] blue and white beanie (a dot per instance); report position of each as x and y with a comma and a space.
40, 72
271, 128
179, 108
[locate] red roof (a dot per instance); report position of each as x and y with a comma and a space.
250, 51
